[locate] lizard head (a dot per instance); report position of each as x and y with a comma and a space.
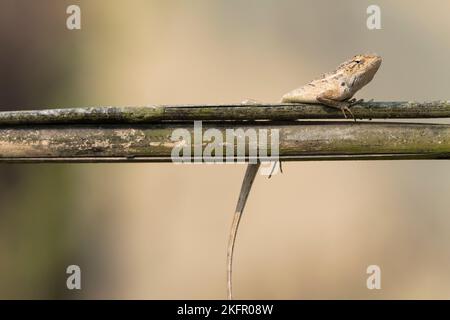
361, 69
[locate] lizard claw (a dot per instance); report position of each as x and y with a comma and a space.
352, 103
347, 108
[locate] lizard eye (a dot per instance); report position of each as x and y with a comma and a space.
342, 84
357, 61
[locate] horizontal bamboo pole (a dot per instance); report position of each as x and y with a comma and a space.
158, 113
299, 140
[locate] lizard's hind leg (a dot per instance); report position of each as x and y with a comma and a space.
275, 164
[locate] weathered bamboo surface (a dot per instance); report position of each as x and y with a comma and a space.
152, 142
158, 113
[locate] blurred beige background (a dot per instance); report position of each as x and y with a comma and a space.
157, 231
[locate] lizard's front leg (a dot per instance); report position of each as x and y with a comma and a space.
326, 99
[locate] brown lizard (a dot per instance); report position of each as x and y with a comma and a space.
334, 89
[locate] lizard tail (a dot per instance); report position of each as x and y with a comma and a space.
250, 174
